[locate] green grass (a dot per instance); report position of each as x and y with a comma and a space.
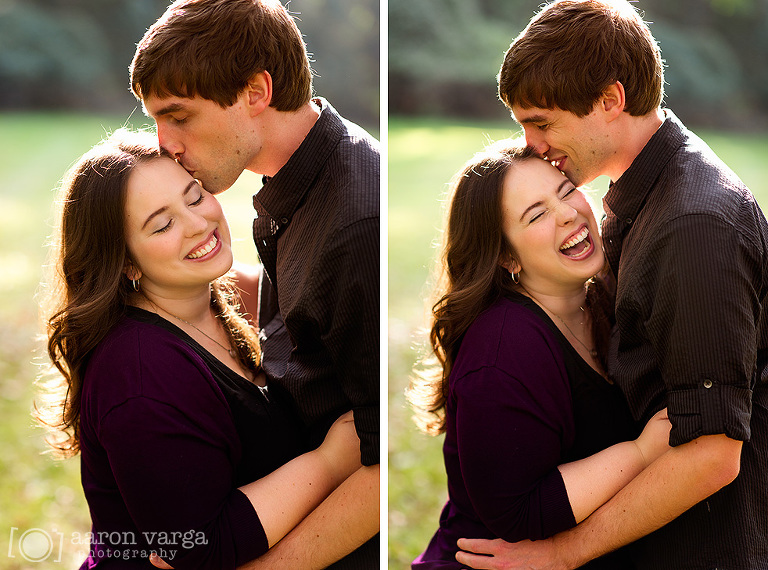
38, 492
423, 156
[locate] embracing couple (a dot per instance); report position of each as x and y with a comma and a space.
249, 422
602, 390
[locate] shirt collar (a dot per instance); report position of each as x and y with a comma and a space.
626, 196
281, 194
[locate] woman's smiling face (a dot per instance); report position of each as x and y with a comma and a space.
551, 227
176, 232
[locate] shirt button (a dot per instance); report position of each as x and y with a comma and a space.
283, 221
628, 221
707, 383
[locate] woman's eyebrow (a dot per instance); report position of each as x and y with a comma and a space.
539, 203
164, 208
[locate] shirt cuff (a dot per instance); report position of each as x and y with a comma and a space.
367, 425
248, 533
708, 409
556, 510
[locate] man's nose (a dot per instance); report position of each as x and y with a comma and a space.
535, 140
168, 142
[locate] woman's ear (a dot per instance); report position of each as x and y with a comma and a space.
132, 272
509, 263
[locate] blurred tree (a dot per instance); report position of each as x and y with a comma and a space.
70, 53
444, 54
74, 54
342, 37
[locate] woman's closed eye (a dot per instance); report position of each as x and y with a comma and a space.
536, 216
168, 226
199, 199
568, 191
165, 228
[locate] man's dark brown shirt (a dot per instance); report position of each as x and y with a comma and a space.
688, 247
317, 234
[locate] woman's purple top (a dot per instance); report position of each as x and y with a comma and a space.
521, 402
168, 433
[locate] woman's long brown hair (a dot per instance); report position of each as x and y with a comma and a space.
87, 289
471, 279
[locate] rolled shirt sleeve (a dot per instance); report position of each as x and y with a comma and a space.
349, 302
702, 326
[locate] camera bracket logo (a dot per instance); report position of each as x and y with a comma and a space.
35, 545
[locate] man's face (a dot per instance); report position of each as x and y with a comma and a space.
579, 147
208, 140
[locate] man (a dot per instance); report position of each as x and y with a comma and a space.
228, 84
686, 244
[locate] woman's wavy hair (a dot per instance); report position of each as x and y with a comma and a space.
213, 48
87, 291
470, 277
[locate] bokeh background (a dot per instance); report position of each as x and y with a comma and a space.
443, 59
63, 87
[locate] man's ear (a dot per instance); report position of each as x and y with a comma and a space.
258, 93
613, 100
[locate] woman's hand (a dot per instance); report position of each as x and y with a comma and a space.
654, 441
341, 447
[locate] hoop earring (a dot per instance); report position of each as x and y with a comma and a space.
515, 278
136, 284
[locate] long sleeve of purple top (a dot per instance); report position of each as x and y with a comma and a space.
514, 421
159, 451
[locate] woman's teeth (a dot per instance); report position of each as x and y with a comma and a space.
575, 240
205, 249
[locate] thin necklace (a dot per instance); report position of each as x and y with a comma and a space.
263, 389
229, 350
592, 352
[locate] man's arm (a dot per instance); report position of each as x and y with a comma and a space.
347, 519
679, 479
342, 523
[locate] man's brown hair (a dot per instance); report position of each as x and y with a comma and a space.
573, 49
212, 48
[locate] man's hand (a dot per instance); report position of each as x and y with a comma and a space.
501, 555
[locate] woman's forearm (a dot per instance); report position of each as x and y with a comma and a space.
592, 481
287, 495
284, 497
342, 523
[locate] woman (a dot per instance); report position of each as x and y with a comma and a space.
521, 392
177, 429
